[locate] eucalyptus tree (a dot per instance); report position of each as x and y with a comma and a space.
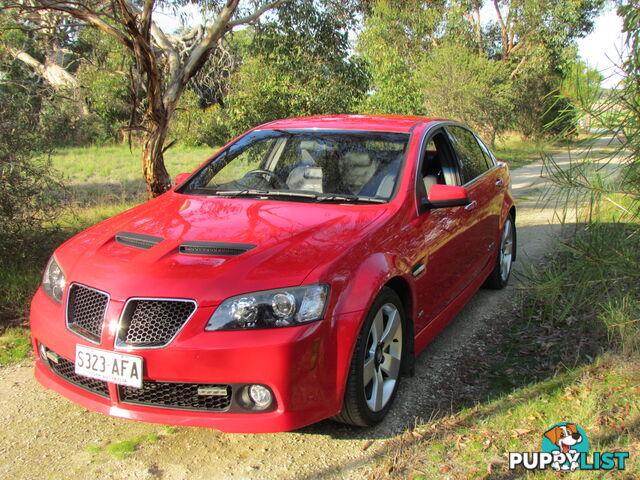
165, 63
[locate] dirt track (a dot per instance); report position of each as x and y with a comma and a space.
45, 436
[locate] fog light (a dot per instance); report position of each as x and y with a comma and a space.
261, 396
43, 352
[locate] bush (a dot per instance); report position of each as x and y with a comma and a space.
459, 84
29, 190
64, 124
194, 126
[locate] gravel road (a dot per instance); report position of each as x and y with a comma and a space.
45, 436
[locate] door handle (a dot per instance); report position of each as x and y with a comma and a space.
471, 206
499, 182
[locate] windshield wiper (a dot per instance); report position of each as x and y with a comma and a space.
237, 193
343, 197
319, 197
251, 192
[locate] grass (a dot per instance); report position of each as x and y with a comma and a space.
113, 174
125, 448
518, 151
117, 164
474, 442
14, 345
594, 279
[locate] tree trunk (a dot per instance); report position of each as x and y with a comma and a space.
153, 169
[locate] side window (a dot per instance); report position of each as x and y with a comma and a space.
472, 159
487, 153
437, 163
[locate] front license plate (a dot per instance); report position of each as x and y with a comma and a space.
109, 366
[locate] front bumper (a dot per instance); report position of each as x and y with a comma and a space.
299, 364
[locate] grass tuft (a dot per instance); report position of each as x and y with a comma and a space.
125, 448
15, 345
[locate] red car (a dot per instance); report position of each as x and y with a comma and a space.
291, 278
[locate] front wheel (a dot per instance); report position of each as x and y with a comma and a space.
499, 277
376, 364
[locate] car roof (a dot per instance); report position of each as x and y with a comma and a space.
380, 123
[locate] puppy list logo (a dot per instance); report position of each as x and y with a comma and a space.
565, 448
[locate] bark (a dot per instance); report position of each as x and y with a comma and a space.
54, 74
153, 168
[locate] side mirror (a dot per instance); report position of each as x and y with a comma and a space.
181, 177
443, 196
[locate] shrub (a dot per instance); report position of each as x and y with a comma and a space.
29, 189
193, 126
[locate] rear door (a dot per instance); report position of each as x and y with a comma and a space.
477, 176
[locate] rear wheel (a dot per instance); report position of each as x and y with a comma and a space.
499, 277
376, 364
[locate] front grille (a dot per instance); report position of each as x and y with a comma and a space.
182, 396
153, 323
66, 370
85, 311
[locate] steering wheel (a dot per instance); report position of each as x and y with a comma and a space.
268, 176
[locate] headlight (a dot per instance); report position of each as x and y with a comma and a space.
53, 281
283, 307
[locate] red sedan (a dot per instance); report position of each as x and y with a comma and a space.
293, 277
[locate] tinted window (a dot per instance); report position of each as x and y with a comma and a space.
473, 160
487, 154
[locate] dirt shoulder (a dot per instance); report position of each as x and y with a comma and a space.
46, 436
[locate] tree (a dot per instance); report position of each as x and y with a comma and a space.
460, 84
41, 41
164, 63
416, 48
298, 63
394, 42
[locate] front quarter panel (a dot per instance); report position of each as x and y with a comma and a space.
356, 277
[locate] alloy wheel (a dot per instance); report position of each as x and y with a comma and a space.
381, 366
506, 250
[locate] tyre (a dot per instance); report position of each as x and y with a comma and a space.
499, 276
375, 369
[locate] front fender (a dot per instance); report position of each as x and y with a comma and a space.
355, 291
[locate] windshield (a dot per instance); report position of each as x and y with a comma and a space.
306, 165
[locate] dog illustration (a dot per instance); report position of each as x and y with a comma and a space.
565, 437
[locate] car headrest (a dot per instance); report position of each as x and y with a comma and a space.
311, 145
357, 159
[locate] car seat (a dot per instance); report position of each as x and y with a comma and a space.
356, 169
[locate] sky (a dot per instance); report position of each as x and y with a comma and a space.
602, 48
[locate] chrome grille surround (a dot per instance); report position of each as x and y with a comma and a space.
153, 322
85, 311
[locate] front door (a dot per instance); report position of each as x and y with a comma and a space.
445, 249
